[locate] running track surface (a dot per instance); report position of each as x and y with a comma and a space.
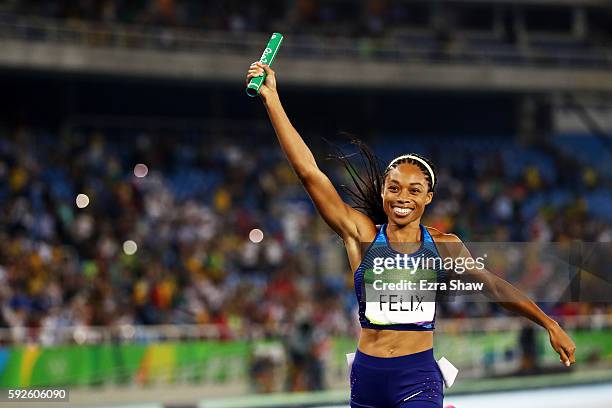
584, 396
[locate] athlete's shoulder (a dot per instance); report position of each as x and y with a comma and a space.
439, 236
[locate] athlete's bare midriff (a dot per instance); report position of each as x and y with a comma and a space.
390, 343
394, 343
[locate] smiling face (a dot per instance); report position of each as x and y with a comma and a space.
405, 194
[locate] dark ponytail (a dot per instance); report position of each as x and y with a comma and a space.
367, 187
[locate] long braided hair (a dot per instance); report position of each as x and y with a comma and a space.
368, 183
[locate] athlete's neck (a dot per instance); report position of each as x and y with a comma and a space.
410, 232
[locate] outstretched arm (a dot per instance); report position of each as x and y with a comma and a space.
499, 290
342, 218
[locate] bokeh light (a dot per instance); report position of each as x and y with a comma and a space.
256, 235
130, 247
141, 170
82, 200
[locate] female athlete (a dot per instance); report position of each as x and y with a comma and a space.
394, 364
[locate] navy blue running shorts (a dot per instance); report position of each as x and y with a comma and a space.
412, 381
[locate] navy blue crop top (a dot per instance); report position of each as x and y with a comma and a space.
407, 310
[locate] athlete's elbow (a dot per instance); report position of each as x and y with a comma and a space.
307, 173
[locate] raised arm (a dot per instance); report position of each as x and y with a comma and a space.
347, 222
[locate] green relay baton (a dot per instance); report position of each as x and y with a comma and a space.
267, 57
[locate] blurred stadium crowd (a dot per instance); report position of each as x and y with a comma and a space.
191, 216
349, 17
353, 18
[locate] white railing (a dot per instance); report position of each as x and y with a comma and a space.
391, 49
506, 323
128, 333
